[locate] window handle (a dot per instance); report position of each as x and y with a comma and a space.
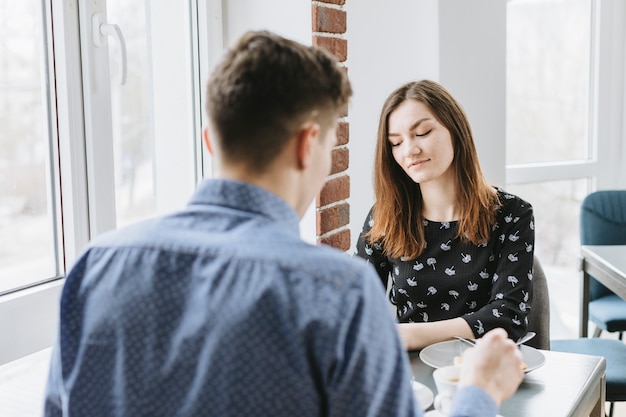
100, 32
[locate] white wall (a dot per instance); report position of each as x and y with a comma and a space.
472, 39
389, 43
458, 43
289, 18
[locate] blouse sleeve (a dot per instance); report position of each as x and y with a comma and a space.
373, 253
511, 292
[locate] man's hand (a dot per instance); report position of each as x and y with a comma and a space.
494, 364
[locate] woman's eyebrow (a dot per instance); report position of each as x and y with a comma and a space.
419, 122
413, 126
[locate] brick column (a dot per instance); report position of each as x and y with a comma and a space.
332, 208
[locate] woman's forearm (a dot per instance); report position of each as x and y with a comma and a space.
419, 335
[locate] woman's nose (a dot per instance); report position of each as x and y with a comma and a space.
411, 147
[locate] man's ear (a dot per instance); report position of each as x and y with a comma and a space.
207, 140
306, 137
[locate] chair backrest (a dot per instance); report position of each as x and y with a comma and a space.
539, 316
603, 222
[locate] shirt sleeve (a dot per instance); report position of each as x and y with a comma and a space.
371, 374
511, 291
373, 253
472, 401
52, 402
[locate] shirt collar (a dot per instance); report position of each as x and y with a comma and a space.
243, 195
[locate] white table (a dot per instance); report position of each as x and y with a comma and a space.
567, 385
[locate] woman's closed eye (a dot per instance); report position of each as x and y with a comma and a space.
394, 140
424, 134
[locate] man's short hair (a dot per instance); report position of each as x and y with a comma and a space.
264, 88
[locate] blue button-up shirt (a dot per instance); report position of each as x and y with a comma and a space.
222, 310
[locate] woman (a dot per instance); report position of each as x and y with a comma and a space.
459, 251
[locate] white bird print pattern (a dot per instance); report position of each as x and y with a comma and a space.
479, 327
431, 262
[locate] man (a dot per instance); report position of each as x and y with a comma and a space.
221, 309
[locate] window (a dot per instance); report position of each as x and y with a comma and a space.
134, 153
552, 72
29, 217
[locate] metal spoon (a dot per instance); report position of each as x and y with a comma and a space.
525, 338
521, 340
471, 342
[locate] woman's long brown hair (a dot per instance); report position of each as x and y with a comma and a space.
398, 222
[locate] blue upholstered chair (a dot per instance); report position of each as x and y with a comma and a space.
603, 222
614, 351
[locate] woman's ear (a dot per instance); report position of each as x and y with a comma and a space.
207, 140
306, 137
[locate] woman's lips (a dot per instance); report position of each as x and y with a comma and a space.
418, 163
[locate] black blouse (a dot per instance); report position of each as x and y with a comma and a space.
489, 285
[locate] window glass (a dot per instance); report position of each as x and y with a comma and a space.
28, 252
548, 67
155, 114
130, 107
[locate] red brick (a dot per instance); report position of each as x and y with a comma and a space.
343, 133
332, 218
328, 20
336, 46
336, 189
341, 160
339, 2
339, 240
